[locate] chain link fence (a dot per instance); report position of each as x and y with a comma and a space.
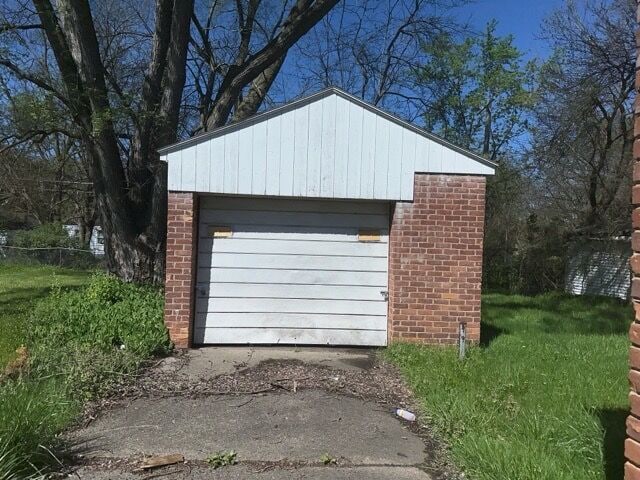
58, 256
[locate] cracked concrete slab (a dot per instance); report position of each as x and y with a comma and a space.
208, 362
241, 472
195, 403
270, 427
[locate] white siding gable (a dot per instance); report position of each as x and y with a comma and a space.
329, 145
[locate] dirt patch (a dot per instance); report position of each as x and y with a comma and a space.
381, 382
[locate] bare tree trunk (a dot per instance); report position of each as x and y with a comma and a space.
486, 143
132, 201
132, 204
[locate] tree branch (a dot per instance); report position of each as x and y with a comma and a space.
304, 15
258, 91
62, 53
37, 81
8, 27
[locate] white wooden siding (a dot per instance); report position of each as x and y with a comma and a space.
328, 146
292, 272
599, 267
302, 336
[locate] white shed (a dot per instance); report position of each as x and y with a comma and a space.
291, 213
599, 266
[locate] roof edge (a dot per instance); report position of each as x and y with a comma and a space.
420, 131
257, 118
312, 98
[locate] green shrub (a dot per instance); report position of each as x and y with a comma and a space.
48, 244
93, 336
48, 235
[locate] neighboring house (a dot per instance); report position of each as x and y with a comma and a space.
325, 221
96, 242
599, 267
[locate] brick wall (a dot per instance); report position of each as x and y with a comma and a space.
632, 444
180, 266
435, 260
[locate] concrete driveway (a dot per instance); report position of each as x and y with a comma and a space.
285, 412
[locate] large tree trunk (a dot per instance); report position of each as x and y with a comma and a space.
132, 201
136, 250
486, 140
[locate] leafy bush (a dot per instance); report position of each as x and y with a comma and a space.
532, 264
48, 235
93, 336
48, 244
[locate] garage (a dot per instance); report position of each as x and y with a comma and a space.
292, 272
325, 221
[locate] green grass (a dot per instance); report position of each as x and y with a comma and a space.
31, 416
20, 288
82, 334
31, 412
543, 397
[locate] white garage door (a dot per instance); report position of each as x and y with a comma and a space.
291, 272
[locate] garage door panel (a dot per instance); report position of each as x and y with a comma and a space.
293, 247
290, 336
291, 290
301, 277
287, 205
291, 271
306, 219
286, 232
286, 305
258, 261
293, 320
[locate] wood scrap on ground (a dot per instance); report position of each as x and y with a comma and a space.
161, 461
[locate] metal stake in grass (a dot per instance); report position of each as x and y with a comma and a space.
462, 340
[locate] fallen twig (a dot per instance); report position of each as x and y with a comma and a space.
244, 403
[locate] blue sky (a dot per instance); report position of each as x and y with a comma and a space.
522, 18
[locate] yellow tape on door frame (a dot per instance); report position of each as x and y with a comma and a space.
367, 235
219, 231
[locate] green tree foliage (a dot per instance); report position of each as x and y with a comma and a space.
505, 224
480, 96
480, 91
33, 113
43, 177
